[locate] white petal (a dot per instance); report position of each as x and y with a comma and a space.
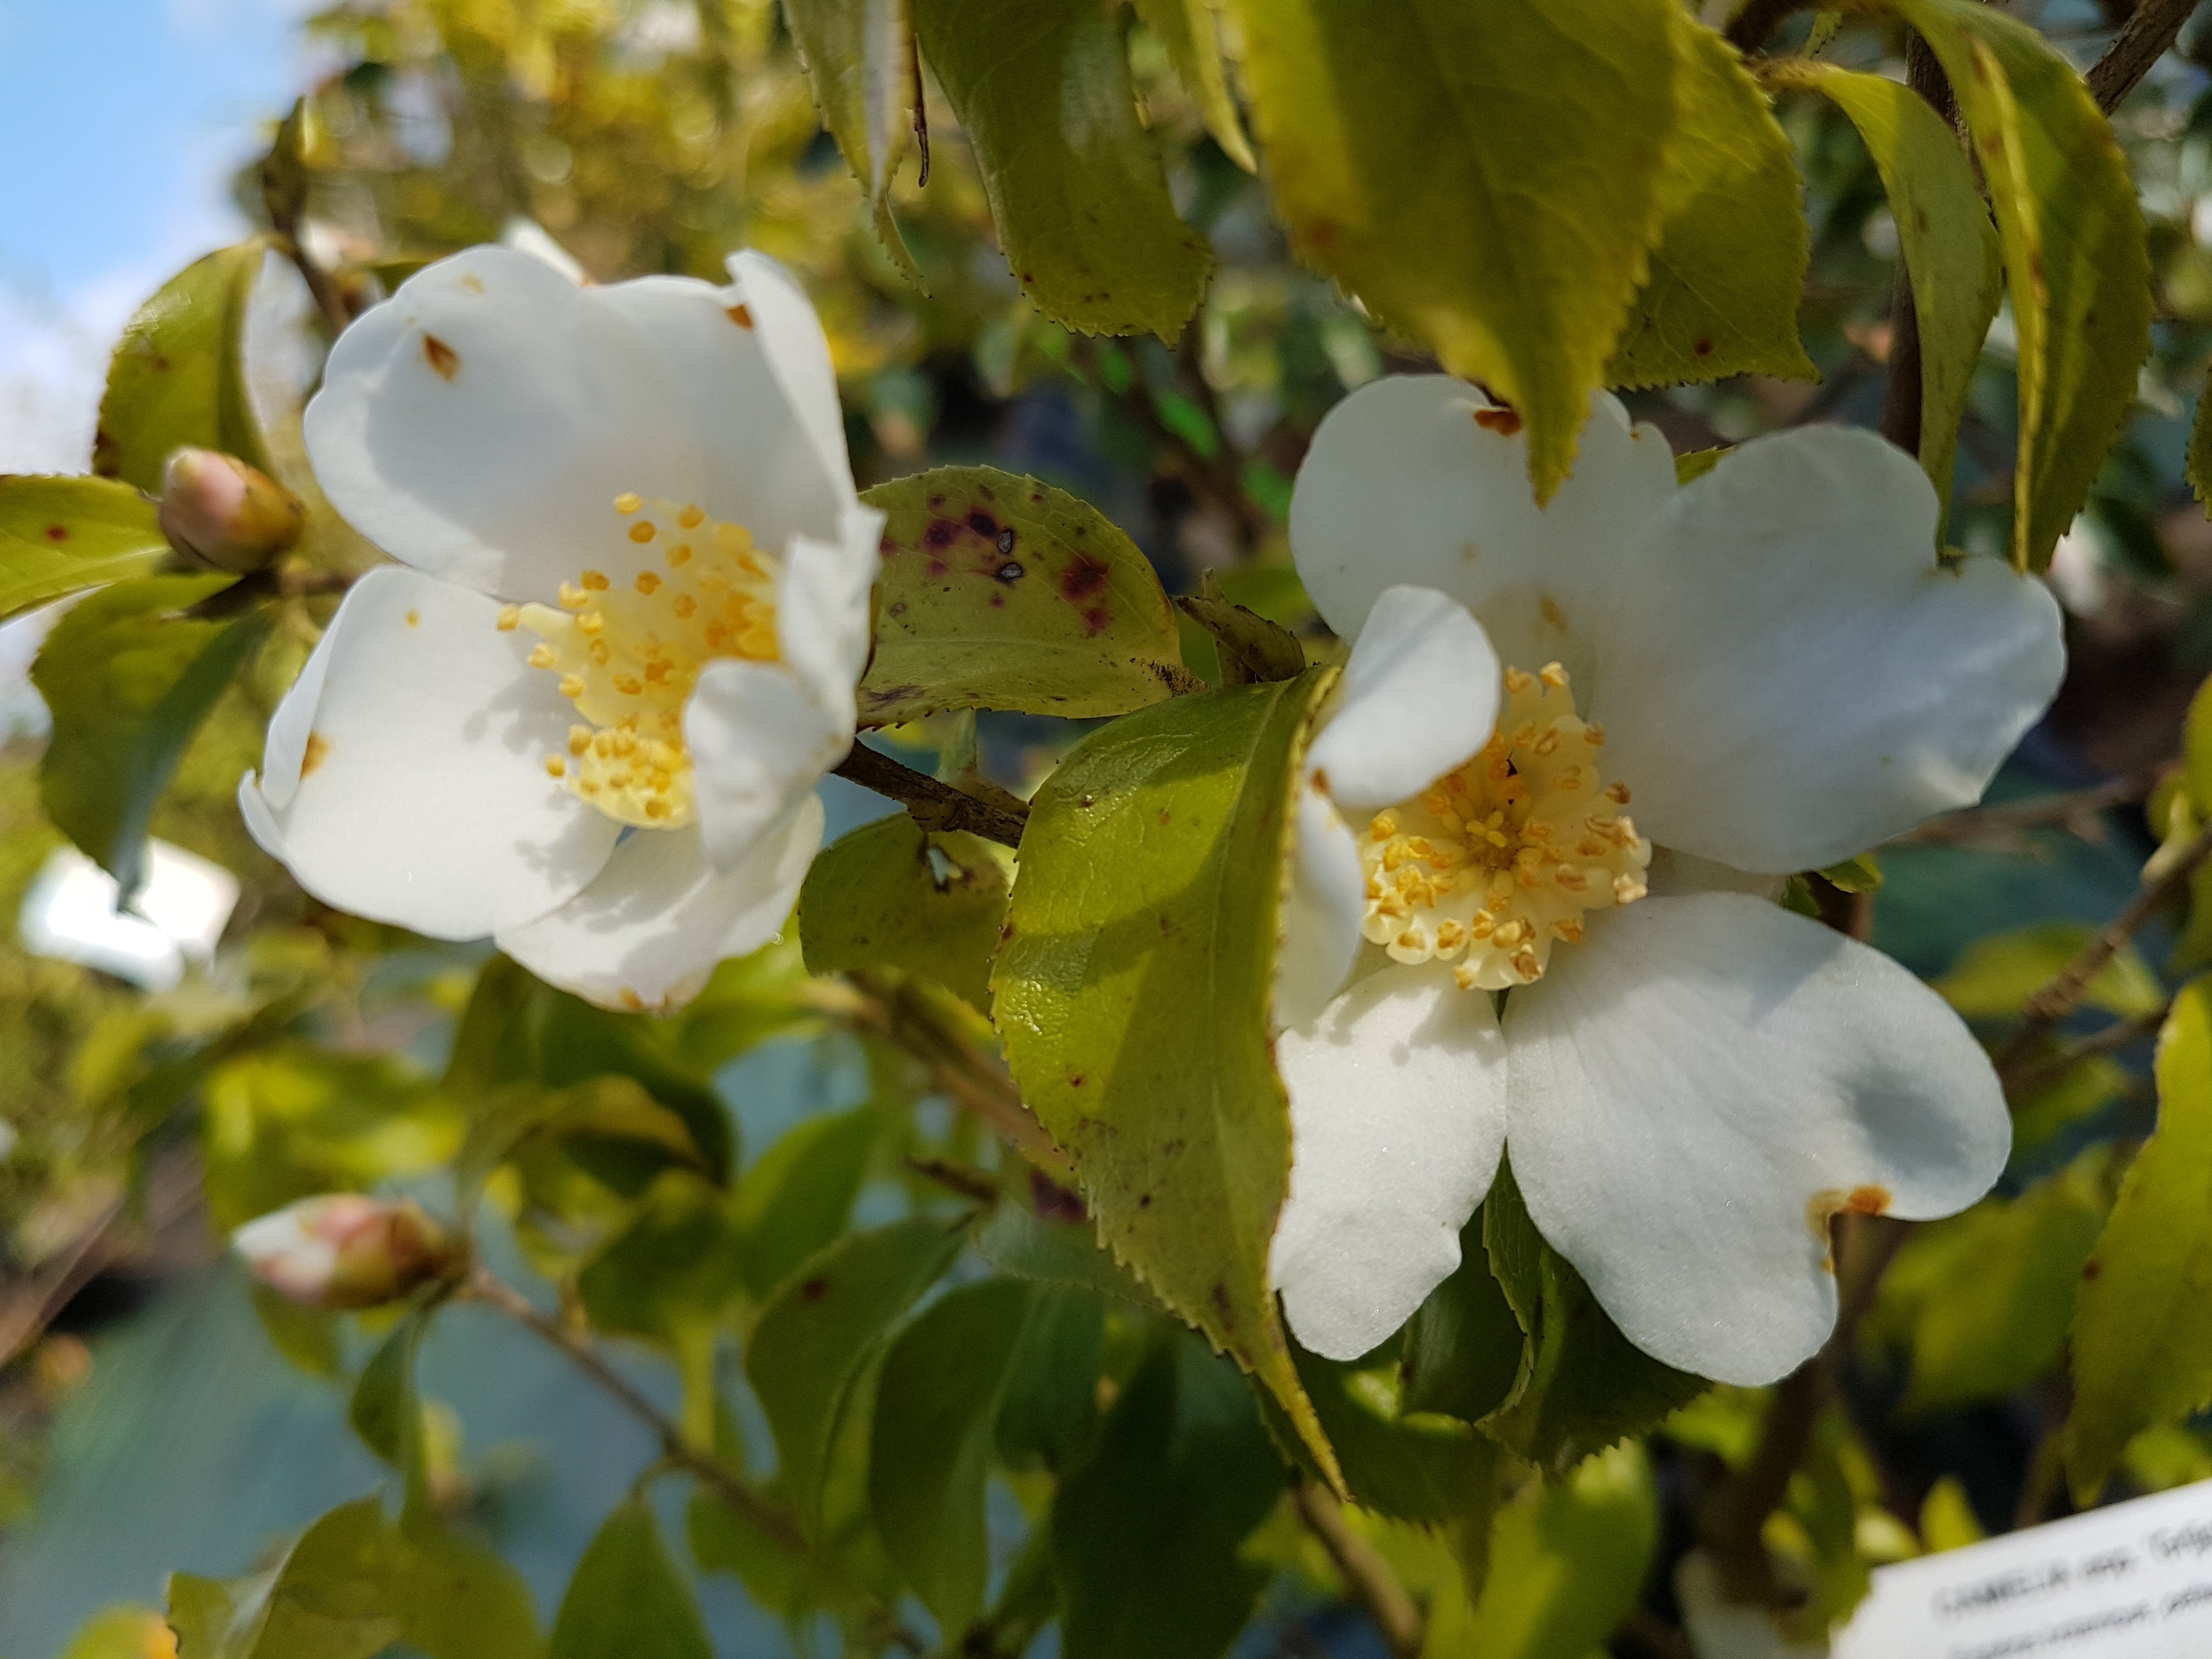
480, 425
648, 932
1786, 677
1418, 696
1402, 485
760, 741
798, 355
426, 804
1699, 1085
1397, 1114
822, 621
1324, 902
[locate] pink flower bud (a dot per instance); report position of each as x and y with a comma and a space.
346, 1250
219, 511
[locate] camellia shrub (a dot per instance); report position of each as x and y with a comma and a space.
1383, 1092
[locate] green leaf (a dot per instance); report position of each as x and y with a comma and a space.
1486, 179
307, 1337
1421, 1466
1993, 976
1722, 297
129, 679
1049, 1406
2081, 1089
859, 56
2197, 462
1077, 195
1145, 1535
178, 375
1191, 34
1695, 462
353, 1585
1944, 230
893, 895
723, 1540
627, 1600
2074, 258
1567, 1563
1018, 1241
800, 1196
385, 1412
2142, 1325
60, 535
2196, 749
998, 592
1463, 1346
1861, 874
1985, 1298
936, 1403
822, 1325
1133, 993
120, 1634
1582, 1385
1247, 645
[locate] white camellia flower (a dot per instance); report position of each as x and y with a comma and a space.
1573, 752
586, 712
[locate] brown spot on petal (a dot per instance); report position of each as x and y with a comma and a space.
318, 747
473, 283
1504, 421
414, 619
1832, 1201
1550, 609
742, 316
441, 357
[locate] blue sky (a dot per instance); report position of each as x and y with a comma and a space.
120, 124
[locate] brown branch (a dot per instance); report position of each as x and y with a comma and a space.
934, 805
2040, 1072
1757, 19
1366, 1574
778, 1523
2142, 41
2061, 994
2000, 824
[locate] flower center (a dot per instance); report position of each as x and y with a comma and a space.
1499, 857
628, 654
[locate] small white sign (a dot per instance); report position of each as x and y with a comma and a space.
2131, 1581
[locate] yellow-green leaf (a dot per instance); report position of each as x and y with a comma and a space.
178, 375
1943, 230
998, 592
1722, 297
2074, 258
2142, 1330
60, 535
893, 895
1993, 976
860, 54
1192, 34
130, 675
1485, 178
1081, 205
1133, 989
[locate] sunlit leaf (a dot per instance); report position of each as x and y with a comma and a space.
859, 55
936, 1402
1191, 33
1133, 992
58, 535
178, 375
1944, 231
627, 1601
892, 894
998, 592
1996, 973
2075, 264
130, 676
1722, 296
1486, 179
1081, 205
2142, 1326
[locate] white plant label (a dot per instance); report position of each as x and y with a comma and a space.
2131, 1581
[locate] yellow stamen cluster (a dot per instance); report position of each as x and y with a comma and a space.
1499, 859
628, 653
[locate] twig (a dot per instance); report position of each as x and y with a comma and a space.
2054, 1000
2001, 822
934, 805
1366, 1574
485, 1286
2142, 41
2047, 1069
902, 1013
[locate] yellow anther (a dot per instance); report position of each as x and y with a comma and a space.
629, 684
1547, 743
572, 686
1518, 680
627, 503
680, 554
1617, 793
1384, 826
556, 766
590, 622
510, 619
572, 599
596, 581
1593, 735
649, 582
544, 656
599, 652
643, 532
685, 606
579, 741
692, 517
1554, 676
1626, 889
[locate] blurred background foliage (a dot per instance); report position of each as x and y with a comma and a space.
146, 1421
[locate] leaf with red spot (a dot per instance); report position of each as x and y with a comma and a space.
179, 374
998, 592
60, 536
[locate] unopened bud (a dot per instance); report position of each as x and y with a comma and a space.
346, 1250
219, 511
